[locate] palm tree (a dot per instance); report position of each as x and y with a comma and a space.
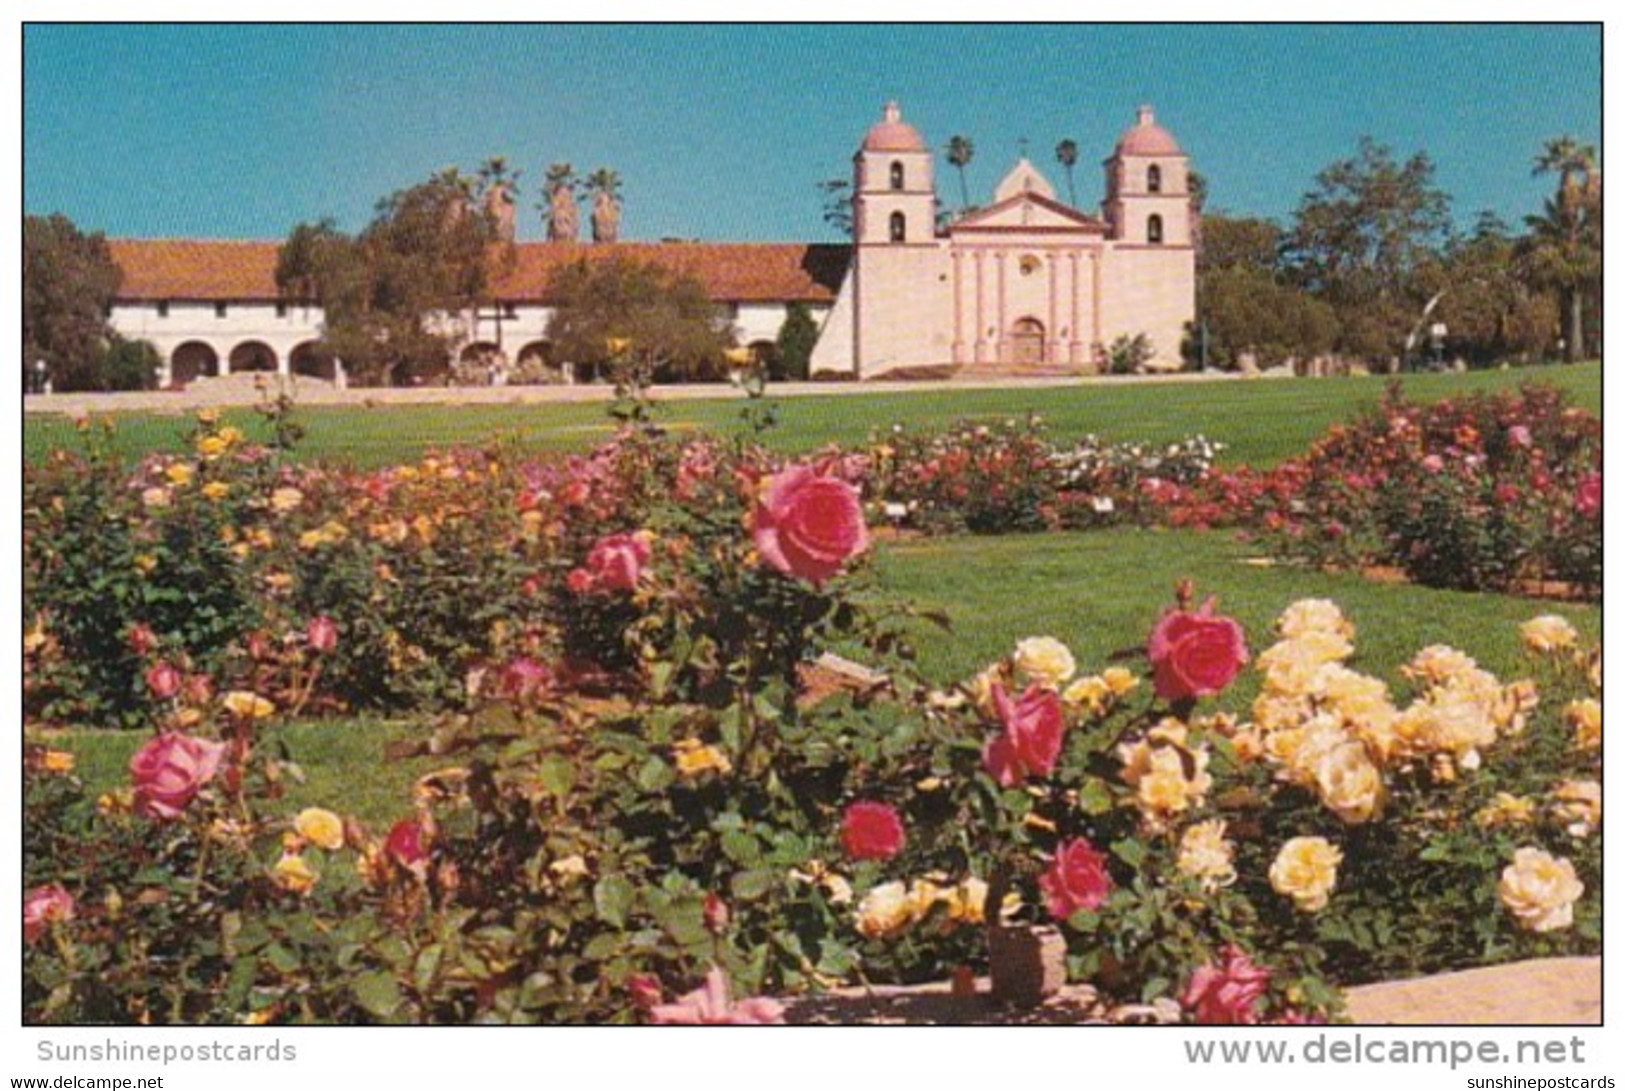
1564, 247
559, 209
960, 152
605, 187
1066, 153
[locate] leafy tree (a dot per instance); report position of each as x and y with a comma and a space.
1485, 298
1240, 242
837, 210
1359, 237
797, 338
960, 153
673, 330
1248, 311
1127, 355
130, 365
69, 281
1564, 249
391, 294
1066, 154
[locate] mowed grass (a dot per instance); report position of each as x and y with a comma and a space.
1261, 422
1100, 592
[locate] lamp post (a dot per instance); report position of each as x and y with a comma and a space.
1437, 333
40, 376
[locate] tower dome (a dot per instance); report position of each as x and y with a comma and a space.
1146, 137
892, 134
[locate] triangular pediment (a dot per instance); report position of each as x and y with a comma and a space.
1027, 211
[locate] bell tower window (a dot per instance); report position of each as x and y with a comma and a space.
1153, 179
899, 227
897, 176
1153, 230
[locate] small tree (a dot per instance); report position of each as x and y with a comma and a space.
797, 338
69, 281
672, 329
1128, 355
130, 365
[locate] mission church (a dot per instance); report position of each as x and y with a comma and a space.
1024, 285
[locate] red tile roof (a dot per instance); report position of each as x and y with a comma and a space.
208, 270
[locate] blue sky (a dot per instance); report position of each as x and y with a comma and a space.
721, 132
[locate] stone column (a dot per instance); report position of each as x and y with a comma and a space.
1052, 334
1096, 335
1000, 346
981, 311
1075, 342
959, 310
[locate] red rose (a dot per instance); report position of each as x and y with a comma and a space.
1195, 654
716, 915
645, 991
43, 906
808, 525
321, 634
170, 770
1031, 743
163, 680
142, 639
1226, 994
407, 846
1077, 879
1588, 497
872, 831
616, 563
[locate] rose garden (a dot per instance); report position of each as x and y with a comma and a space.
686, 726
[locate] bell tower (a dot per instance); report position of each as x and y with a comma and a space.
1148, 201
893, 198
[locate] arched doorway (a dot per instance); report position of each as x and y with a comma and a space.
253, 356
1027, 341
314, 359
191, 361
481, 363
534, 364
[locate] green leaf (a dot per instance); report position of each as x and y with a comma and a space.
557, 775
749, 885
378, 994
740, 847
1094, 797
1129, 851
654, 775
612, 898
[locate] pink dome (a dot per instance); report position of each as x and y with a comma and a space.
1146, 137
893, 134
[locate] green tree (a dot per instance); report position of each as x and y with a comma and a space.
69, 283
130, 365
1358, 239
1066, 154
1485, 298
1240, 242
673, 330
1248, 311
1563, 252
960, 153
391, 294
797, 338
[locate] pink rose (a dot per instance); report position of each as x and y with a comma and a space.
715, 913
1518, 435
616, 563
1228, 993
1433, 464
321, 634
1031, 743
645, 991
43, 906
523, 678
1195, 654
709, 1005
1588, 497
170, 770
872, 831
808, 525
1076, 879
142, 639
163, 680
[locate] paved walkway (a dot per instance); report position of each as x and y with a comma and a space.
239, 390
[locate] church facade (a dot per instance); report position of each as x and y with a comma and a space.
1025, 284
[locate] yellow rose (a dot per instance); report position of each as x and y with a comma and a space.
145, 563
246, 705
1119, 680
211, 447
1168, 776
293, 874
967, 902
884, 911
1540, 890
216, 490
1290, 666
1091, 695
1350, 783
923, 895
1206, 856
180, 474
208, 417
1045, 661
286, 499
1437, 664
1313, 616
1305, 870
1585, 717
231, 435
1547, 634
1578, 805
695, 758
1505, 809
156, 497
321, 828
57, 761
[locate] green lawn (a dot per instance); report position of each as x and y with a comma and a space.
1262, 422
1098, 591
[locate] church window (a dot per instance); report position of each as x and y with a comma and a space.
1153, 179
1153, 230
897, 176
899, 227
163, 308
220, 310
